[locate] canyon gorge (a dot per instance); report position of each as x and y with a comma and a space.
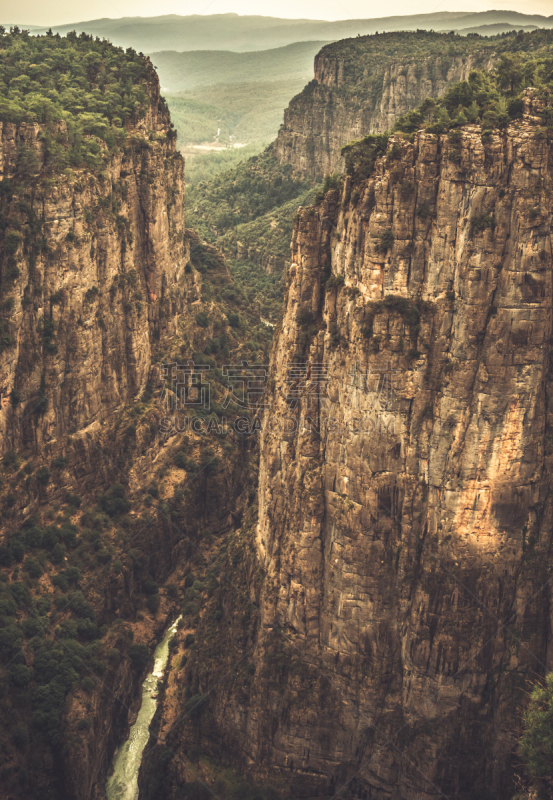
400, 558
360, 562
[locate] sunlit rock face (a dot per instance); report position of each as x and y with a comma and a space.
100, 259
344, 103
405, 509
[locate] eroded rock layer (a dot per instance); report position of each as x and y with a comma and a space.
404, 530
352, 96
98, 279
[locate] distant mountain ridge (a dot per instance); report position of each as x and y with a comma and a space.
247, 33
182, 71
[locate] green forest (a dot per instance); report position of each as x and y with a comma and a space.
256, 202
250, 112
361, 55
87, 84
243, 94
491, 99
206, 165
242, 194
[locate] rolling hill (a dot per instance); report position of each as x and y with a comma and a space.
242, 95
182, 71
245, 33
246, 111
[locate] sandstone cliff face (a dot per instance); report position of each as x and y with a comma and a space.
339, 106
100, 260
404, 602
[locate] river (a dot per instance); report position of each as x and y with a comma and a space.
123, 783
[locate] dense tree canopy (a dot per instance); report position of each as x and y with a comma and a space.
536, 744
44, 77
89, 86
242, 194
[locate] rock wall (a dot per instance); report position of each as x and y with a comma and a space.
343, 104
99, 279
404, 528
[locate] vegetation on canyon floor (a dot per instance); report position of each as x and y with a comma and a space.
203, 168
251, 112
242, 194
58, 643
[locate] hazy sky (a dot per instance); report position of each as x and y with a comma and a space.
57, 12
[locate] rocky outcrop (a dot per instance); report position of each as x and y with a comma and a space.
357, 93
92, 277
405, 512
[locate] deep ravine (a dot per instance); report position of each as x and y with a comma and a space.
394, 541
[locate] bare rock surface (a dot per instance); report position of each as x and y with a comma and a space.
97, 286
404, 529
345, 102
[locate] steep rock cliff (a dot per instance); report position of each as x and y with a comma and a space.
400, 561
98, 279
362, 86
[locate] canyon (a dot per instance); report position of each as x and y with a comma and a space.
101, 285
393, 603
360, 568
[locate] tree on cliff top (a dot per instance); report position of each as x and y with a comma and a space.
77, 87
491, 99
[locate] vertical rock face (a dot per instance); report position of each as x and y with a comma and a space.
403, 527
100, 258
352, 97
